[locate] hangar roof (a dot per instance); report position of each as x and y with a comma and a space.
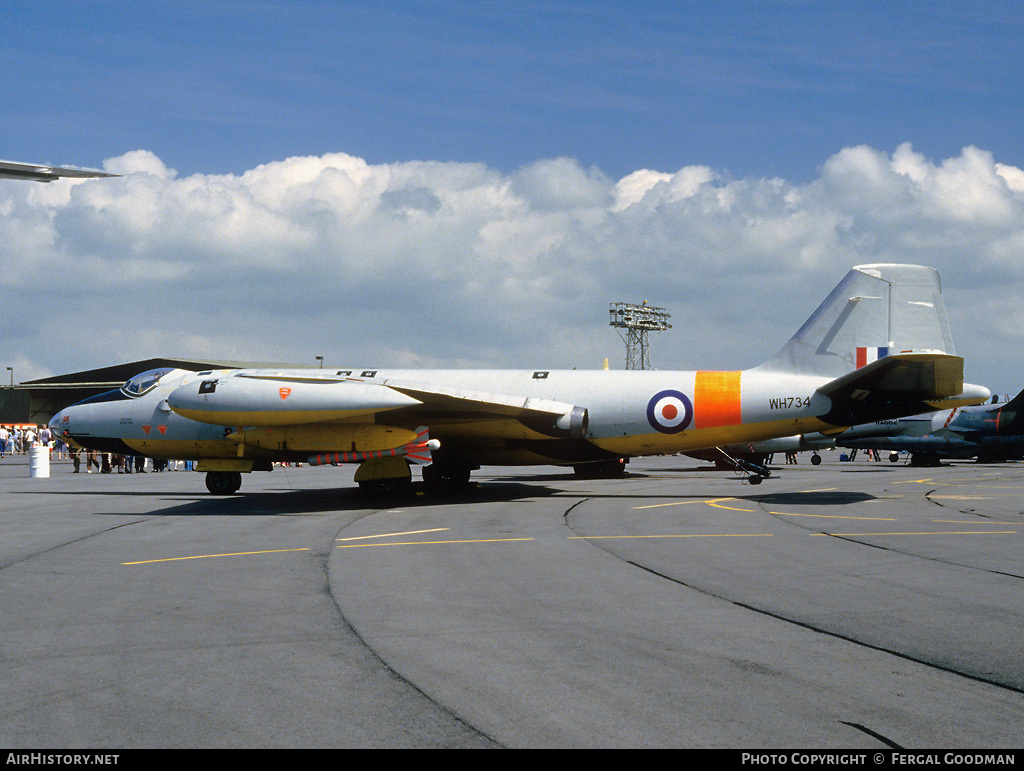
49, 395
116, 375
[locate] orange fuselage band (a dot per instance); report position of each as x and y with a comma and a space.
716, 399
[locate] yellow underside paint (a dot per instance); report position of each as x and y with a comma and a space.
183, 449
321, 437
946, 404
655, 443
382, 468
225, 464
484, 431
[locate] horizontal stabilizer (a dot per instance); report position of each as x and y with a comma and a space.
892, 386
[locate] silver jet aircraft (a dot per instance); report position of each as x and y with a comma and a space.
877, 348
990, 433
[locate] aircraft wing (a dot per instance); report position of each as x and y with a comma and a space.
544, 413
892, 386
948, 447
31, 171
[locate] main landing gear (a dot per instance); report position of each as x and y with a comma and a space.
440, 476
385, 487
223, 482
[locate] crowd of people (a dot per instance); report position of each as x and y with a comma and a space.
19, 439
108, 463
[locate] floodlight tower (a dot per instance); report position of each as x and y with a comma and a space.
638, 320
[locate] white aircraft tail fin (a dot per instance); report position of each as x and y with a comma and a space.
875, 311
883, 338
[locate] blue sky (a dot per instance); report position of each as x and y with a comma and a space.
470, 184
750, 88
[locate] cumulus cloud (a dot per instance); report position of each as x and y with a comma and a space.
456, 264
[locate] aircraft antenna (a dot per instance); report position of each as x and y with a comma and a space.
638, 320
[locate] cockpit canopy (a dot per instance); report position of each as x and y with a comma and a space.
145, 382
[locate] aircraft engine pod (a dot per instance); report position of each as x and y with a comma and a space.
268, 401
575, 422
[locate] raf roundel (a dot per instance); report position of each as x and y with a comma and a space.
669, 412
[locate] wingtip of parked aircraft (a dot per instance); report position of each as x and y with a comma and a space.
41, 173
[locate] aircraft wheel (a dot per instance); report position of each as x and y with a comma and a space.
445, 476
894, 457
384, 487
223, 482
815, 460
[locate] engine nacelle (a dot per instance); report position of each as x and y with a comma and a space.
267, 401
575, 422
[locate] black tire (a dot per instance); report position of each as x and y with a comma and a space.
815, 460
445, 476
925, 459
383, 488
605, 469
223, 482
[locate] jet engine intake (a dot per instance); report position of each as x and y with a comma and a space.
575, 422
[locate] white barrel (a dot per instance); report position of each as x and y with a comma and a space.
39, 461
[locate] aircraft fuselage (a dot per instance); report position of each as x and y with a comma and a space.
627, 413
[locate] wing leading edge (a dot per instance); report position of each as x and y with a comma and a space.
36, 173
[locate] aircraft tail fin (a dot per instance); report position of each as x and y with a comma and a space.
884, 388
1011, 416
1016, 403
874, 312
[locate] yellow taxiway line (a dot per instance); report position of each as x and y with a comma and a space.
934, 532
832, 516
209, 556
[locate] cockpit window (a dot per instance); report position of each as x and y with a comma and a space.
145, 382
